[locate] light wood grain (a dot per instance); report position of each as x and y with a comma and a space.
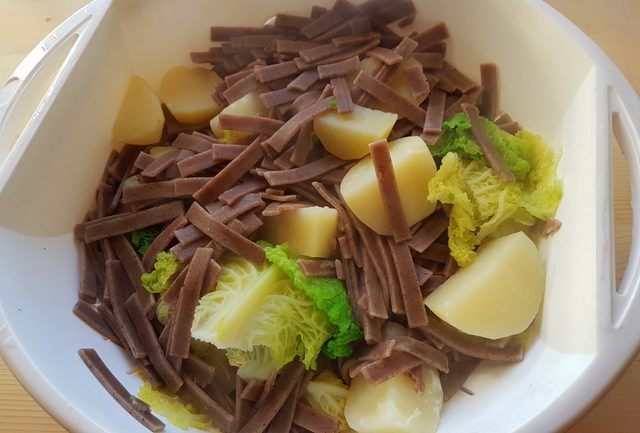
611, 23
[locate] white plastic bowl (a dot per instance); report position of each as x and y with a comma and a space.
56, 114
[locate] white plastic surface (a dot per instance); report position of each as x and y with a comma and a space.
553, 80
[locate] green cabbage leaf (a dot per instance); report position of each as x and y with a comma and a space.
483, 205
177, 413
328, 294
260, 318
159, 280
327, 393
141, 239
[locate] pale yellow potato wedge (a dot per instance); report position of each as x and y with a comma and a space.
498, 295
140, 119
249, 105
309, 231
368, 65
347, 136
160, 150
413, 166
186, 91
397, 81
394, 406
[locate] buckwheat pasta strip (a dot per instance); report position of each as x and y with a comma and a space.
231, 173
388, 187
120, 394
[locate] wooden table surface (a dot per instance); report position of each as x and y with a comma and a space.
611, 23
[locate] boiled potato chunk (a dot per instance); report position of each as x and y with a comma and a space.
156, 151
368, 65
394, 406
186, 91
309, 231
347, 136
140, 119
498, 295
249, 105
413, 166
398, 82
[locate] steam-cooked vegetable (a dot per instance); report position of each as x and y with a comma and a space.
156, 151
186, 91
498, 295
398, 82
163, 312
181, 415
159, 280
413, 166
141, 239
347, 136
255, 306
328, 394
482, 202
394, 406
457, 138
140, 119
309, 231
253, 364
328, 294
249, 105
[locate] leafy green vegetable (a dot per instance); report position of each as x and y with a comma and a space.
328, 394
333, 102
159, 280
449, 186
483, 203
542, 189
163, 312
457, 138
141, 239
183, 416
257, 306
254, 364
328, 294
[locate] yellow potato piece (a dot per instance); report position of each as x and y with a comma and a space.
498, 295
140, 119
156, 151
347, 136
249, 105
398, 82
309, 231
368, 65
186, 91
413, 166
394, 406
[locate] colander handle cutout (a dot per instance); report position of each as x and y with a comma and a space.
26, 92
624, 115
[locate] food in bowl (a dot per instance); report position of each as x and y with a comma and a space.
268, 258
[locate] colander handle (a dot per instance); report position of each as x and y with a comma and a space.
624, 127
30, 86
